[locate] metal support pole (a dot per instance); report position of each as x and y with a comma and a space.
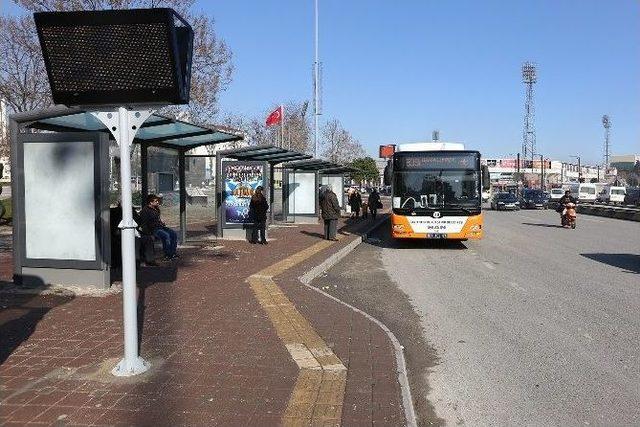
123, 125
219, 195
271, 192
579, 170
541, 172
183, 196
144, 171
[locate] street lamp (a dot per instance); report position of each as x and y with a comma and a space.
579, 168
542, 184
120, 65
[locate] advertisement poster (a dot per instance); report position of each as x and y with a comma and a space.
240, 182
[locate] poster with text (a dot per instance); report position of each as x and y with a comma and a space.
240, 182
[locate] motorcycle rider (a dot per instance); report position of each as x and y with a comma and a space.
562, 203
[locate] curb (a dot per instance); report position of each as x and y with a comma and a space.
307, 278
623, 213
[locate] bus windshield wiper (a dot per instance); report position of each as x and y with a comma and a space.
459, 206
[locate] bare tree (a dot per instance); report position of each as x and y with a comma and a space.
294, 133
21, 71
338, 145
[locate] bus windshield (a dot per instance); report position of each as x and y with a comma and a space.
433, 189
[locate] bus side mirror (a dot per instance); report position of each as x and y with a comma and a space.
387, 173
486, 182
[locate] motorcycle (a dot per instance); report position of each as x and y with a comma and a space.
569, 215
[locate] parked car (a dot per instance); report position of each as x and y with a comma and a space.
505, 201
534, 199
632, 197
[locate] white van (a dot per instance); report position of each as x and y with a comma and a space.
584, 192
556, 194
612, 194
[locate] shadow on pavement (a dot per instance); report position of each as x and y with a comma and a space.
629, 262
20, 316
542, 225
312, 234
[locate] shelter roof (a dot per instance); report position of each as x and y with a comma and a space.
264, 153
158, 130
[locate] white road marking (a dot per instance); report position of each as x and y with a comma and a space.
517, 287
489, 265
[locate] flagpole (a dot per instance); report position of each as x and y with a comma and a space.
315, 88
282, 126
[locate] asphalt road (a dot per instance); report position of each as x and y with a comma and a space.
533, 325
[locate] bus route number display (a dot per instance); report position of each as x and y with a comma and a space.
466, 161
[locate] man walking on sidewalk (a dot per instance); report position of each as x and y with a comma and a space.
330, 213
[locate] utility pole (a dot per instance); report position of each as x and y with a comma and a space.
579, 168
606, 122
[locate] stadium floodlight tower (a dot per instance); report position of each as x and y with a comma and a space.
606, 122
121, 65
529, 78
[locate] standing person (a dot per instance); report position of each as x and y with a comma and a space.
330, 213
374, 203
258, 208
355, 202
350, 193
151, 224
365, 209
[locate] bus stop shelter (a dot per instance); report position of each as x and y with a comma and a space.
44, 145
238, 172
302, 181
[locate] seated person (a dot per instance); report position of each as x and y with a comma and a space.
151, 224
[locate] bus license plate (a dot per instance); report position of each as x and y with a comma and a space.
436, 236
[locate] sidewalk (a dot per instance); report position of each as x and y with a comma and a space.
232, 335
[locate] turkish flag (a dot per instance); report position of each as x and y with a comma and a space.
275, 117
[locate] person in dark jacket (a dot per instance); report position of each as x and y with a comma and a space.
258, 208
355, 201
567, 198
374, 203
151, 224
330, 213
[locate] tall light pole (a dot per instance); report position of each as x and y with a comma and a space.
606, 122
316, 84
529, 78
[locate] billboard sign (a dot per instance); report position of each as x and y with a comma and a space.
386, 151
240, 180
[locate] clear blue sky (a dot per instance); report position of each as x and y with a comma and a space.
394, 71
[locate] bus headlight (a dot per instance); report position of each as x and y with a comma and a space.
476, 227
398, 227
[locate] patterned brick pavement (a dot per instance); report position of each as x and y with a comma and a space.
216, 357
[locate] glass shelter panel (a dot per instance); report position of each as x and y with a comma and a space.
59, 205
337, 184
302, 193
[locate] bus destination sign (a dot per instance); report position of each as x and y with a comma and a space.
437, 161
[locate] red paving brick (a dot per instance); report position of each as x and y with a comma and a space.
216, 359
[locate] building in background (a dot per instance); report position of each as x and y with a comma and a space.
503, 172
